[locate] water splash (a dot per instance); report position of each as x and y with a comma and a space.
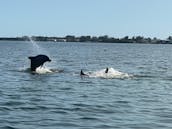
43, 70
40, 70
36, 48
112, 73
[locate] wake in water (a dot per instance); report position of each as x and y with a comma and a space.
108, 73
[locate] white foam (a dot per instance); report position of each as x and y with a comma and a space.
112, 73
43, 70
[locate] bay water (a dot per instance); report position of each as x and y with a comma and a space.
65, 100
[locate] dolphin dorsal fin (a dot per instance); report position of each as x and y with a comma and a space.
82, 73
107, 69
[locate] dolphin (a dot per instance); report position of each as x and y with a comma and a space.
37, 61
83, 74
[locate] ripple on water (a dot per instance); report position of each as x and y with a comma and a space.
8, 127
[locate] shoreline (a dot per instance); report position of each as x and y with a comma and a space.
89, 39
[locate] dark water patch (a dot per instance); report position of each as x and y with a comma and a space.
34, 99
43, 107
8, 127
92, 109
81, 105
29, 108
122, 102
66, 110
147, 125
66, 88
59, 112
5, 108
89, 118
84, 96
13, 103
13, 96
35, 108
86, 82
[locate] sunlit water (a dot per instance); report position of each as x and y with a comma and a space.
135, 94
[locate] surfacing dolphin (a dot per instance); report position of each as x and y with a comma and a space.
83, 74
37, 61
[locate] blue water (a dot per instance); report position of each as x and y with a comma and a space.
64, 100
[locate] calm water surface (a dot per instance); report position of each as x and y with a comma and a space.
67, 101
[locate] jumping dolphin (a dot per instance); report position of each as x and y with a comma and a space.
38, 61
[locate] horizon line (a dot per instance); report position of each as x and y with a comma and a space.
77, 36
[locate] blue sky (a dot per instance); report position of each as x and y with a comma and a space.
117, 18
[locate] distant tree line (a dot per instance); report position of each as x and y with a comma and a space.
101, 39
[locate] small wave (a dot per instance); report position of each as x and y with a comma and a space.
112, 73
